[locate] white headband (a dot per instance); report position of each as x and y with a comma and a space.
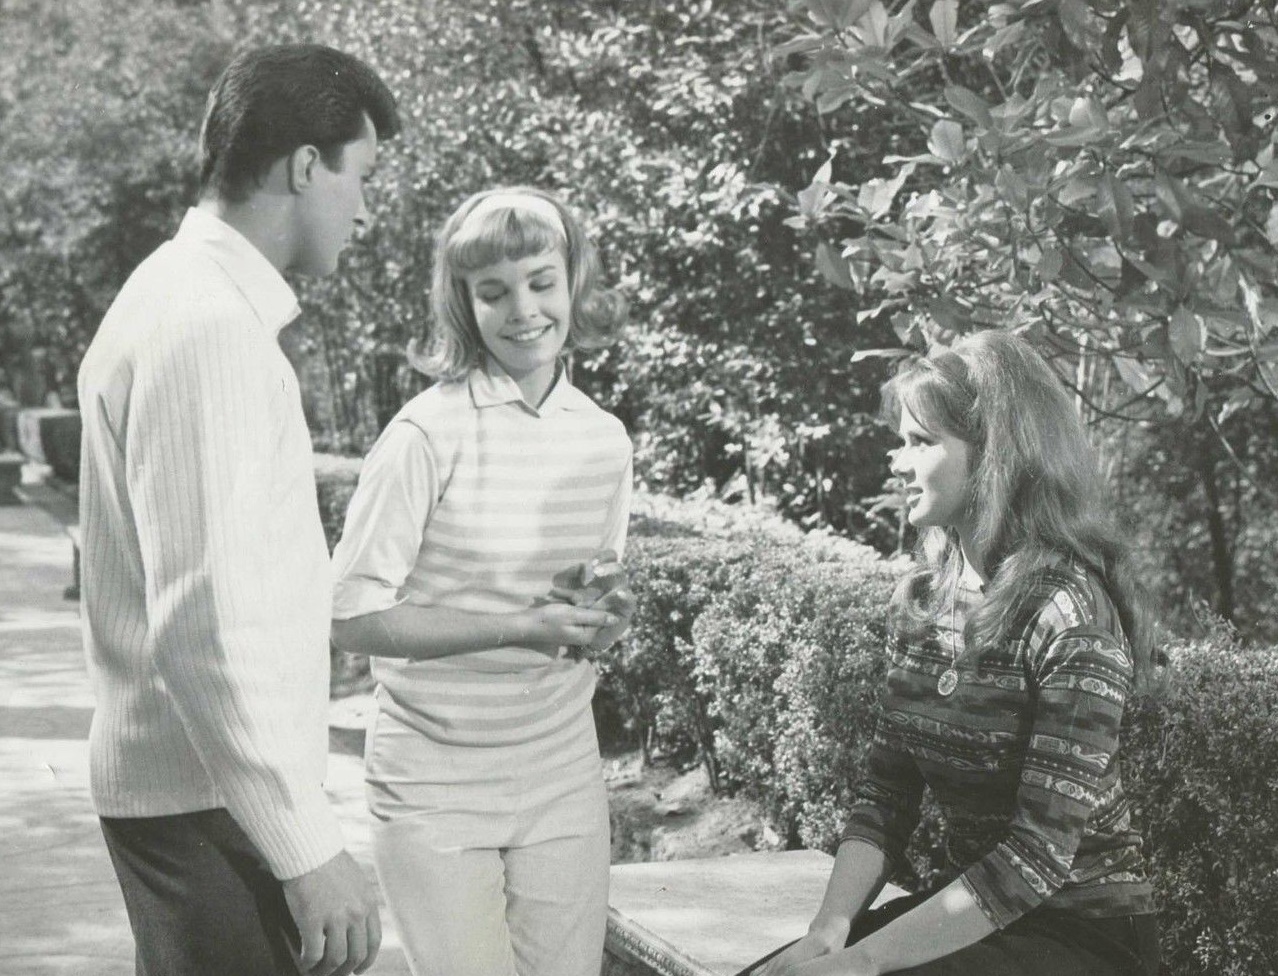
518, 201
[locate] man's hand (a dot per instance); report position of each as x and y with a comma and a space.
336, 914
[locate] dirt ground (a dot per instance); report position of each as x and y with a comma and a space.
662, 814
659, 813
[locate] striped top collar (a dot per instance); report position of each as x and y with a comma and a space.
490, 386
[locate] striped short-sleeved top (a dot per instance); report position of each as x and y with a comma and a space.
473, 500
1023, 757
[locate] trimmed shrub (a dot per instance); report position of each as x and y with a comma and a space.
791, 660
780, 651
647, 689
335, 479
1202, 766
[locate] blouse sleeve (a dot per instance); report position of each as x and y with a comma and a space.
1082, 676
885, 806
618, 523
397, 491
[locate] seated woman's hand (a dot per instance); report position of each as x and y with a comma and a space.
817, 944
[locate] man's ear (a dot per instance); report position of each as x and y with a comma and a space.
301, 167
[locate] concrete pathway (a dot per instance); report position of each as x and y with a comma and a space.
60, 909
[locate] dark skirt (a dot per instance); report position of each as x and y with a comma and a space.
1043, 942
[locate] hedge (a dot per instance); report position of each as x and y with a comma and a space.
784, 656
1202, 766
757, 651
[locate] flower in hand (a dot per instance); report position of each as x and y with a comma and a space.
601, 583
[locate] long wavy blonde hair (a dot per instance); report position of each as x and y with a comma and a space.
1037, 494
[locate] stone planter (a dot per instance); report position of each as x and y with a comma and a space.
10, 476
9, 426
51, 435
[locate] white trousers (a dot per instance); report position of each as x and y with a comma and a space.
501, 875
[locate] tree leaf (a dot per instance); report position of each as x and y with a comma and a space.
1012, 186
1050, 264
1171, 194
1186, 335
833, 267
970, 104
1073, 136
1088, 113
876, 196
1268, 176
1002, 38
948, 314
863, 354
1076, 18
946, 141
802, 44
834, 98
1142, 26
874, 26
1205, 222
1134, 373
1115, 206
944, 19
1208, 153
838, 14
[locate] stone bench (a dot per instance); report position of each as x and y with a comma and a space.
49, 440
60, 501
11, 465
712, 916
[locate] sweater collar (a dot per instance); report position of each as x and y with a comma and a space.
262, 286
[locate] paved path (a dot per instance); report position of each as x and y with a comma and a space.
60, 910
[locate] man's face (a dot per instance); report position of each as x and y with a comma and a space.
332, 206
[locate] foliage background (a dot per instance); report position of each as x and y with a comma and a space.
792, 194
785, 191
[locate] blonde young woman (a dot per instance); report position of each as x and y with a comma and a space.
480, 518
1016, 646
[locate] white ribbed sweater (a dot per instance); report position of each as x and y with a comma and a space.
206, 582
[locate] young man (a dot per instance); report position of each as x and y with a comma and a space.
205, 573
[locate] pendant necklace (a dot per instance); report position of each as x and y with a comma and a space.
949, 679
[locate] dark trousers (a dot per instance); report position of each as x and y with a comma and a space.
1041, 943
200, 899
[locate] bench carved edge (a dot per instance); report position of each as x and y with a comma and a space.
632, 943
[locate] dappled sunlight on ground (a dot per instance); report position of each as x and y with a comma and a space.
660, 813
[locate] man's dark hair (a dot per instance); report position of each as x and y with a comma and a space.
271, 100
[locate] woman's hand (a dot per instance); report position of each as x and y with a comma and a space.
601, 583
549, 627
821, 940
827, 962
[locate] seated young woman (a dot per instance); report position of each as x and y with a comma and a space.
1015, 646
